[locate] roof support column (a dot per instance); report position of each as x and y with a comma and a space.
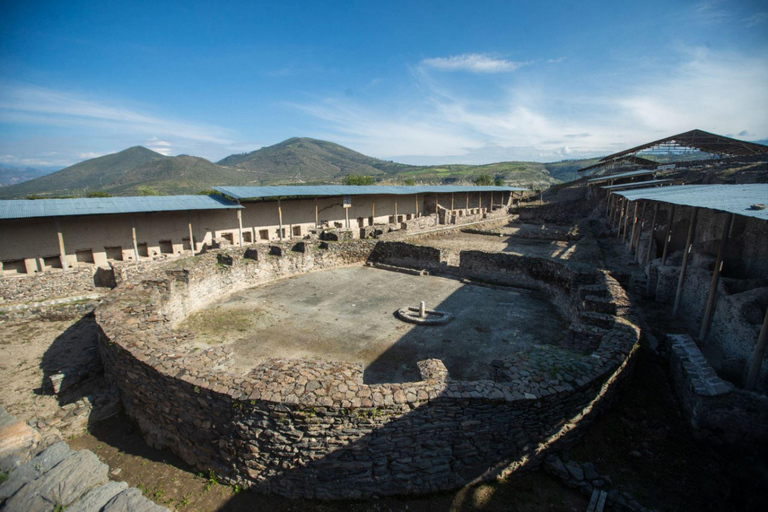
396, 210
317, 215
373, 211
62, 249
192, 235
280, 219
626, 222
240, 225
466, 206
135, 242
634, 228
346, 216
758, 354
640, 230
668, 235
686, 254
451, 201
416, 197
650, 236
491, 200
620, 217
706, 322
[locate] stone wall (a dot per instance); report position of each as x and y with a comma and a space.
402, 254
715, 410
309, 428
47, 285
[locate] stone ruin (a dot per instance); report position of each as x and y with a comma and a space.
313, 428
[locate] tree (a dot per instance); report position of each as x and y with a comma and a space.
98, 193
484, 179
409, 181
499, 181
357, 179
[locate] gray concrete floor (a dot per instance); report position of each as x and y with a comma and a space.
348, 314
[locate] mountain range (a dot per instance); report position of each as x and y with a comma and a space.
138, 170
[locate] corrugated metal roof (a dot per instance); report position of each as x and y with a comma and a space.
28, 208
641, 172
352, 190
637, 184
725, 198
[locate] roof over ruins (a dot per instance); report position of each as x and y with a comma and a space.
26, 208
353, 190
736, 199
609, 177
712, 143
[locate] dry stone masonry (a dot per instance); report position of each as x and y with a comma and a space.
311, 428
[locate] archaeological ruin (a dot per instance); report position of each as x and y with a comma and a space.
355, 343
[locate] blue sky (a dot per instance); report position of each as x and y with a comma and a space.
418, 82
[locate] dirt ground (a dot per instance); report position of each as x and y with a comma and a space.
642, 443
319, 315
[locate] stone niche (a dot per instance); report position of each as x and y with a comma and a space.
312, 428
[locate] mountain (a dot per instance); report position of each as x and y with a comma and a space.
10, 175
138, 170
303, 159
93, 174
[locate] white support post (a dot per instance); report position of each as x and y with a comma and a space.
62, 249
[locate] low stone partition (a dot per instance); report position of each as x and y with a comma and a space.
45, 286
715, 410
312, 428
402, 254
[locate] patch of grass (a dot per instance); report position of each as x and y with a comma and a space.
4, 476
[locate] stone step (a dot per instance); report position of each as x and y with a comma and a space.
597, 501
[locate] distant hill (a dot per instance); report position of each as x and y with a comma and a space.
299, 160
138, 170
10, 175
94, 174
134, 171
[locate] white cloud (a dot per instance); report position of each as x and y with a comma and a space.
710, 12
90, 154
714, 91
755, 20
473, 63
38, 105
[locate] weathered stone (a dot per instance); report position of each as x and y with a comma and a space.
131, 500
64, 484
96, 498
33, 468
575, 470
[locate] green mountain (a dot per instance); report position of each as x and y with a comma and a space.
94, 174
138, 170
298, 160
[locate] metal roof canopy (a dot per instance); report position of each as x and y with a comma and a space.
244, 193
629, 160
725, 198
637, 184
701, 140
608, 177
30, 208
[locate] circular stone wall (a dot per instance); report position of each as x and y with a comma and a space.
311, 428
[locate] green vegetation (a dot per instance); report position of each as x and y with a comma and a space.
300, 161
357, 179
499, 181
483, 179
144, 190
